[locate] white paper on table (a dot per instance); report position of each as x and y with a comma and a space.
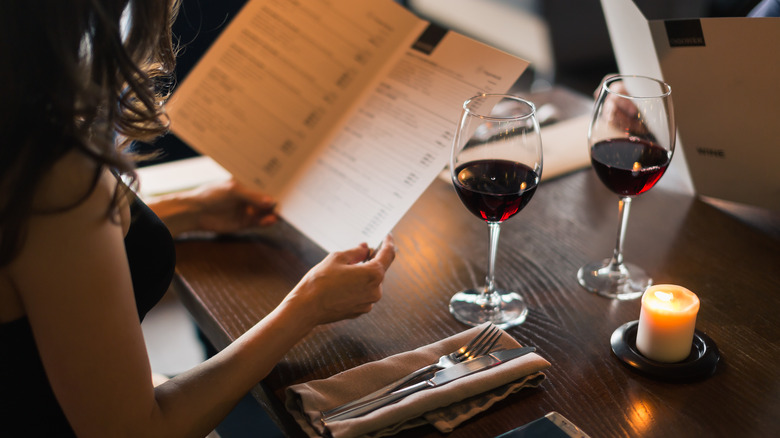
175, 176
328, 108
564, 148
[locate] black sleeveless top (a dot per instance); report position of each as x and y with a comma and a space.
27, 404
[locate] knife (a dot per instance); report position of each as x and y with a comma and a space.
441, 377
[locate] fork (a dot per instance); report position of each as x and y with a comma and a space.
479, 345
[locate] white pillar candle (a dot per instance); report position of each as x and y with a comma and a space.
667, 321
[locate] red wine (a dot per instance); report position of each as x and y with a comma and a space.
629, 166
494, 190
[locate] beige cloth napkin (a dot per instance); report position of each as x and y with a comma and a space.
444, 407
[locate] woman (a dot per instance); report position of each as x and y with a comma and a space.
82, 260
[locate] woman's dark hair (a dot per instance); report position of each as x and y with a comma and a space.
85, 75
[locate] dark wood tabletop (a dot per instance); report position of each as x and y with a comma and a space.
230, 283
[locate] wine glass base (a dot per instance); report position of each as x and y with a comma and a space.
504, 309
627, 283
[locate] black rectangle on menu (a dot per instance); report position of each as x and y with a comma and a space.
429, 39
684, 33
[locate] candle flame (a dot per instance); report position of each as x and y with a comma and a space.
637, 166
664, 296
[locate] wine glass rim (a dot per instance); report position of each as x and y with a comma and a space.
529, 114
667, 89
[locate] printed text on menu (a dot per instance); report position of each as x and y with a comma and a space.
327, 107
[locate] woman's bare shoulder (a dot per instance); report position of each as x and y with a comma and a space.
70, 181
71, 218
78, 187
74, 202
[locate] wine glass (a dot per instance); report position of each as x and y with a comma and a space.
496, 164
631, 139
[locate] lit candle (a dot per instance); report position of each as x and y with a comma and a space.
667, 321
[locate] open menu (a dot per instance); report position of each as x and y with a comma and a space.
342, 110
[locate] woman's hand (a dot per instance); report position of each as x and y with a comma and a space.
222, 207
344, 285
229, 206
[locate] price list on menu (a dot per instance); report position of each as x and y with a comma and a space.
343, 111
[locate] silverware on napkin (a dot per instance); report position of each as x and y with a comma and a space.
477, 346
440, 378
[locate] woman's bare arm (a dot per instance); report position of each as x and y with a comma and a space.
74, 281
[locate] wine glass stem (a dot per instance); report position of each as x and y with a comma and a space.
624, 207
490, 285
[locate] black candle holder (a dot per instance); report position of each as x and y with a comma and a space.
699, 364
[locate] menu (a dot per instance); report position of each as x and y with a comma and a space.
342, 110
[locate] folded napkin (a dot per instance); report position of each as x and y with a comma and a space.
444, 407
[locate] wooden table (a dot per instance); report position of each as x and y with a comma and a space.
228, 284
